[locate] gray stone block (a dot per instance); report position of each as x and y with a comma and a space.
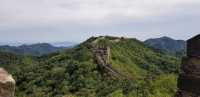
193, 47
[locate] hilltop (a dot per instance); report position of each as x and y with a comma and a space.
168, 44
141, 71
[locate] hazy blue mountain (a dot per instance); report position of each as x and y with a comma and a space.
12, 43
64, 44
167, 44
34, 49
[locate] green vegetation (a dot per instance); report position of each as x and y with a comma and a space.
74, 73
38, 49
167, 44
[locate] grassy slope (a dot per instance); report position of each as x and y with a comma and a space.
134, 58
139, 62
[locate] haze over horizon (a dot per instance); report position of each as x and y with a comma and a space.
36, 21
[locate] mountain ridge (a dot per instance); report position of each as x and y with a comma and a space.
167, 44
33, 49
74, 72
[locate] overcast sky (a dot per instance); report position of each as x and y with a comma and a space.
76, 20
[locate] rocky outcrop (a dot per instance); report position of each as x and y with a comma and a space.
7, 84
189, 78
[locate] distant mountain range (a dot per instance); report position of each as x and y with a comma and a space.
64, 44
34, 49
163, 43
168, 44
56, 44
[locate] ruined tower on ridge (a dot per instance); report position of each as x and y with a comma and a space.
102, 55
189, 78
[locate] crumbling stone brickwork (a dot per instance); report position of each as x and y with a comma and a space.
7, 84
189, 78
102, 54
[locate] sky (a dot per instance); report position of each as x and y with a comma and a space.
30, 21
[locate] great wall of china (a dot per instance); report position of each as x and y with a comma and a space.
189, 78
102, 56
7, 84
188, 81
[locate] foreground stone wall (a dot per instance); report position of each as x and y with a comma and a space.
7, 84
189, 78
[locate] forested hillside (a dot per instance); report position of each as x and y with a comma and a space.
145, 72
168, 44
34, 49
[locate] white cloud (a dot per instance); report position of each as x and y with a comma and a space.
66, 17
90, 11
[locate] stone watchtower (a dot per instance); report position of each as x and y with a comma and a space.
7, 84
189, 78
193, 47
102, 54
